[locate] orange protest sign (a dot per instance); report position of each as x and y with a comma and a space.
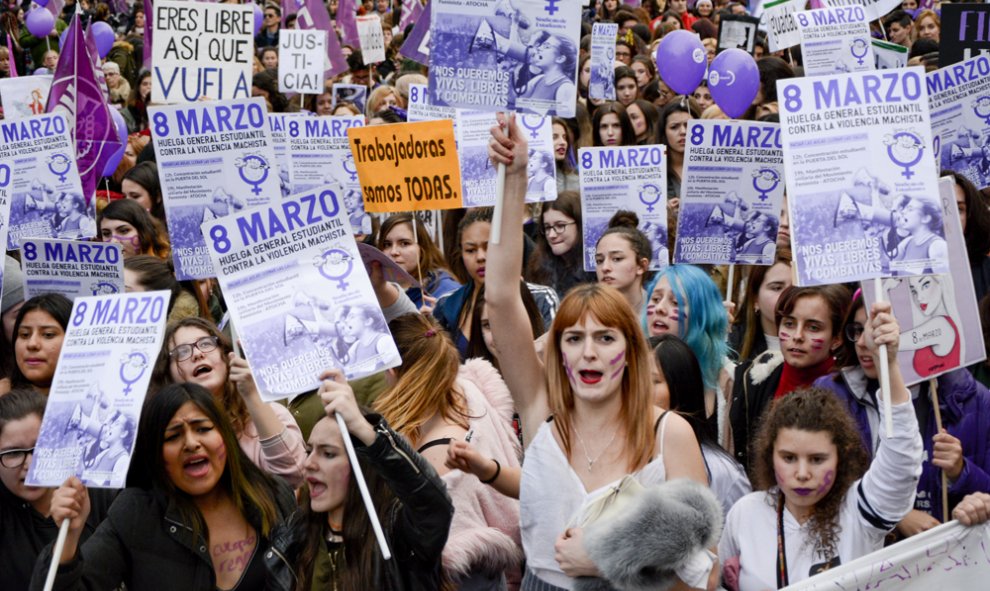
407, 166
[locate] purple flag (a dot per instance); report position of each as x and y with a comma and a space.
10, 52
312, 14
101, 79
417, 45
148, 30
76, 94
55, 7
411, 9
347, 21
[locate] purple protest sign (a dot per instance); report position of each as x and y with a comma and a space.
76, 93
411, 11
347, 21
417, 45
312, 14
148, 32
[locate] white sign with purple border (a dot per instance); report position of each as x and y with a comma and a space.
602, 84
835, 40
214, 159
959, 101
277, 123
732, 193
861, 182
630, 178
38, 166
71, 268
103, 372
299, 296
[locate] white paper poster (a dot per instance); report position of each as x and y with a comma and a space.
102, 376
372, 38
299, 296
214, 158
959, 101
835, 40
24, 96
631, 178
887, 56
71, 268
602, 84
782, 31
300, 62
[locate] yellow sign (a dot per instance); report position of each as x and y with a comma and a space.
407, 166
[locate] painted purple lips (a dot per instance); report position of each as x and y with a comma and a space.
804, 491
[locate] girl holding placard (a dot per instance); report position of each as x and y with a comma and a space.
817, 509
197, 513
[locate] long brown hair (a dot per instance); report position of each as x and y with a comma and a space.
814, 410
750, 318
230, 400
426, 380
430, 257
609, 308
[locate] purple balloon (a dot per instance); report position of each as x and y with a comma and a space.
40, 22
734, 80
114, 162
104, 37
259, 18
681, 61
41, 2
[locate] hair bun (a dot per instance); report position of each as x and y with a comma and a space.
624, 219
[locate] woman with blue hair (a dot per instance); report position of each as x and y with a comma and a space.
684, 301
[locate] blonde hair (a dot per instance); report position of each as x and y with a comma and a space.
607, 306
426, 384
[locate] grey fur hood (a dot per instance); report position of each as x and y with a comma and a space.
643, 545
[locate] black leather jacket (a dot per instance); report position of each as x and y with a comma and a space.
416, 529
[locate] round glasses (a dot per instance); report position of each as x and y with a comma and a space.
853, 331
183, 352
556, 228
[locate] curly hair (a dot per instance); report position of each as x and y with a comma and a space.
814, 410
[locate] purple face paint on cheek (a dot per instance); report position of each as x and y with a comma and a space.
817, 344
783, 336
780, 479
826, 483
617, 358
567, 368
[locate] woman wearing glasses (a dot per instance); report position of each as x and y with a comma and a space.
557, 258
195, 351
25, 525
961, 449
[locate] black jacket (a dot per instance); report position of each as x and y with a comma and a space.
416, 529
24, 533
752, 391
144, 544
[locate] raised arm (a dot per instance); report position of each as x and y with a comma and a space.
522, 369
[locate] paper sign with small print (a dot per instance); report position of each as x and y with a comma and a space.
73, 268
300, 62
407, 166
372, 38
104, 368
835, 40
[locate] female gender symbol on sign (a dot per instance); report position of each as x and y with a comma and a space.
858, 49
527, 121
132, 366
904, 148
765, 180
59, 164
649, 195
981, 107
335, 264
253, 170
348, 166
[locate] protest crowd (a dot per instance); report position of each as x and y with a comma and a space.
493, 294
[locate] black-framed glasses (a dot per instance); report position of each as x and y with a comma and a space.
271, 15
556, 228
853, 331
183, 352
15, 458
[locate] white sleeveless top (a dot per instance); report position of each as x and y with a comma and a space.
552, 496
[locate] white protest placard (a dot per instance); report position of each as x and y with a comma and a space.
630, 178
875, 9
782, 31
24, 96
835, 40
860, 176
935, 311
214, 158
71, 268
731, 193
950, 557
350, 93
46, 198
959, 101
103, 372
887, 55
300, 297
372, 38
602, 84
201, 50
420, 108
300, 60
495, 55
277, 123
320, 155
